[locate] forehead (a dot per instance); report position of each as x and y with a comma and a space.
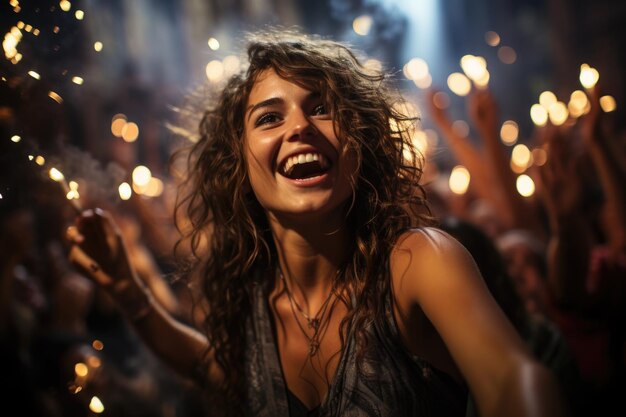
269, 83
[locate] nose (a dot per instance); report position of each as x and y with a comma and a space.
300, 126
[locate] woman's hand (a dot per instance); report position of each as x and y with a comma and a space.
98, 249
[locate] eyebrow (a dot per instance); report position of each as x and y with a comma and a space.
265, 103
275, 100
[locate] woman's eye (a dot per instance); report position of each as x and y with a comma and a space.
267, 118
319, 110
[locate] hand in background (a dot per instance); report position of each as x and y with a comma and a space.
98, 249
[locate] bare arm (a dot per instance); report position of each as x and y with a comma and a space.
607, 163
100, 252
432, 270
466, 154
569, 242
483, 110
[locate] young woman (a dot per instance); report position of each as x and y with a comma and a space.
328, 293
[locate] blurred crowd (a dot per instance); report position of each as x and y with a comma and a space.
555, 260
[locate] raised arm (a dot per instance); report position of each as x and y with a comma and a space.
99, 251
570, 241
433, 271
484, 112
609, 163
466, 154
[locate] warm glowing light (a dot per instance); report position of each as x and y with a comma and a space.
77, 80
97, 344
507, 55
539, 114
373, 65
34, 74
141, 175
125, 192
79, 14
362, 24
540, 156
130, 132
483, 80
40, 160
461, 128
416, 69
424, 82
432, 137
516, 168
28, 28
405, 128
154, 188
16, 138
118, 116
588, 76
96, 405
56, 29
608, 103
54, 96
525, 185
9, 44
509, 132
72, 194
20, 25
558, 113
520, 155
214, 44
231, 65
492, 38
36, 32
459, 84
215, 71
578, 104
56, 175
31, 157
441, 100
546, 99
81, 369
117, 127
97, 46
420, 142
65, 5
94, 361
459, 180
473, 66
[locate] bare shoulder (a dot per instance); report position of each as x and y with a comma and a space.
427, 252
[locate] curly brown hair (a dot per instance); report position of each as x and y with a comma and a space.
229, 234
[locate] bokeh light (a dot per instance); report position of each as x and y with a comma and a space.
509, 132
525, 185
459, 180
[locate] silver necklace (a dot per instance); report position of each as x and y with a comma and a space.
314, 322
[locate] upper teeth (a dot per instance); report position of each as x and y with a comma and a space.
304, 158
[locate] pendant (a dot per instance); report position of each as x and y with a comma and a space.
314, 323
313, 348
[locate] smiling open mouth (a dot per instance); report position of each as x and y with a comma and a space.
305, 166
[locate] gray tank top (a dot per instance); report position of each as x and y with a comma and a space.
389, 381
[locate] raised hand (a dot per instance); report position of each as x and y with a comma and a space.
98, 248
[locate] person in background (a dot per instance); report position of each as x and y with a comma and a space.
329, 292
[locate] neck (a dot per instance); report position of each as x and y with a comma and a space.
310, 255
